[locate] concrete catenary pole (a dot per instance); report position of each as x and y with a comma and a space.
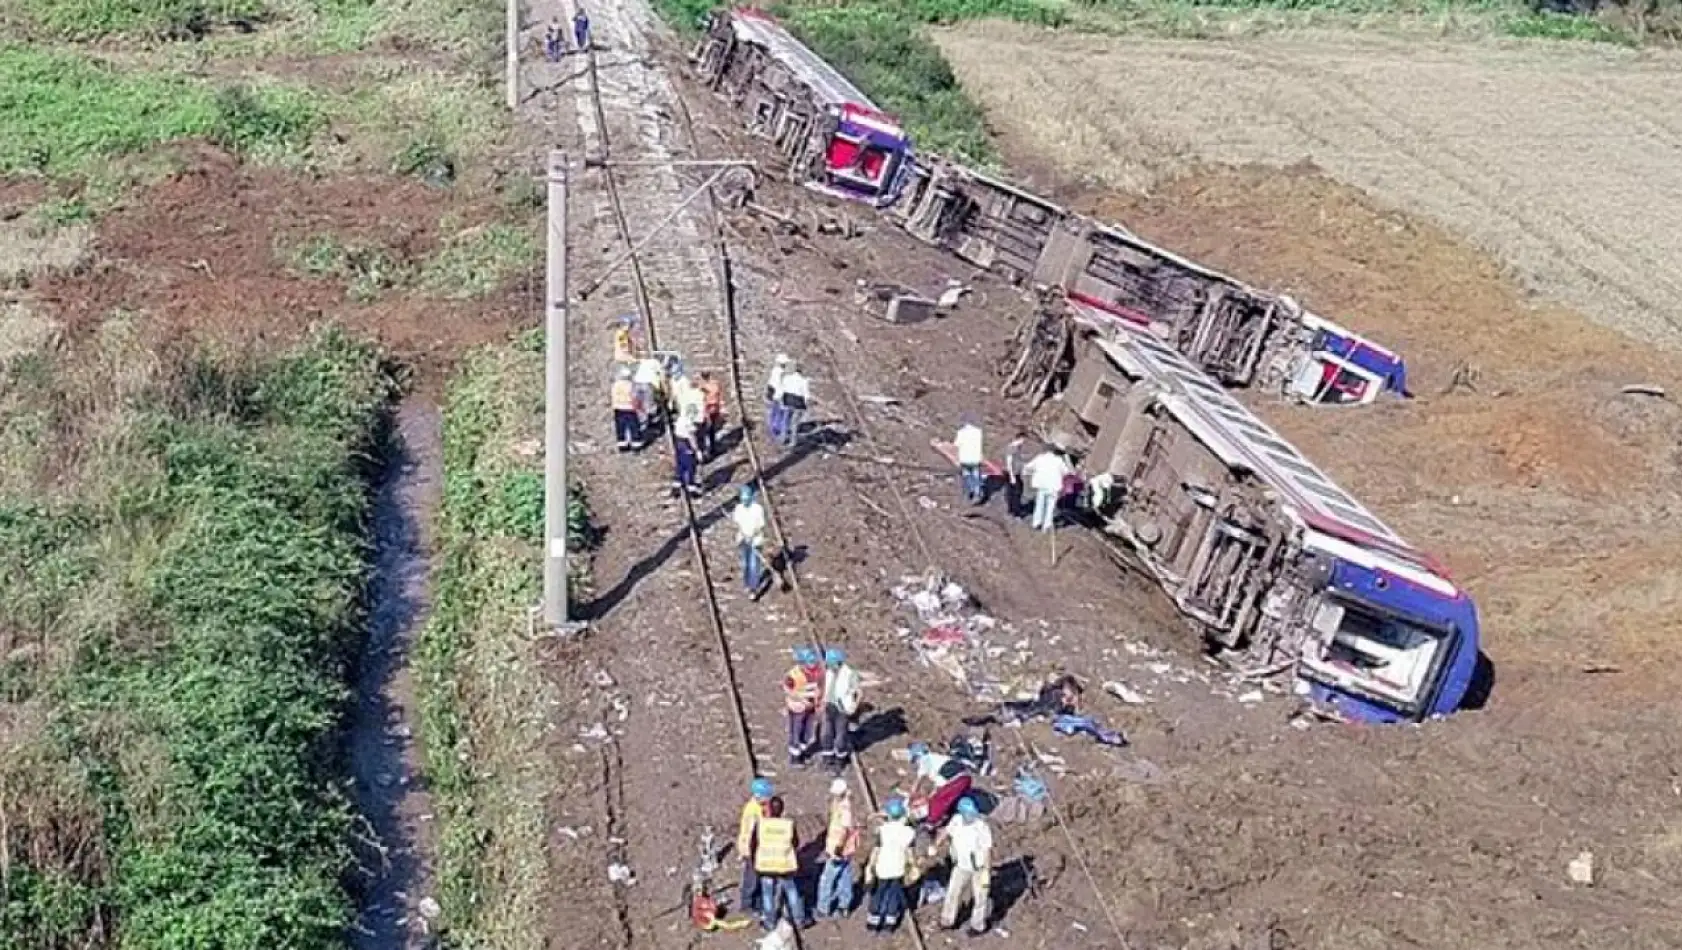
511, 39
555, 402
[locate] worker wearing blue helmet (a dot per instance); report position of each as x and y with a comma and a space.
747, 837
750, 520
802, 699
890, 863
969, 844
840, 705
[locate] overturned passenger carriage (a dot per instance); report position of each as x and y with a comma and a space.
1234, 332
1272, 560
830, 135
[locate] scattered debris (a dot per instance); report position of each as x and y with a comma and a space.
1253, 696
1138, 771
955, 291
910, 308
429, 908
781, 938
1581, 869
1643, 389
597, 731
1124, 693
620, 874
880, 400
1602, 668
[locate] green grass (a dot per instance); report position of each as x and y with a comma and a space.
367, 270
180, 608
478, 261
60, 112
171, 19
485, 700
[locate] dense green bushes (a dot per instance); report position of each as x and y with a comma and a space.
202, 600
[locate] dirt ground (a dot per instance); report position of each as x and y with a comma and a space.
213, 239
1221, 827
1559, 159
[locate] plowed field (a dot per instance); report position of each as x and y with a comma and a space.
1562, 161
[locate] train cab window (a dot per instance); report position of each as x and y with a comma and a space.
857, 160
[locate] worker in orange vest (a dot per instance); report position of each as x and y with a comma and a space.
627, 425
747, 838
777, 861
802, 696
712, 415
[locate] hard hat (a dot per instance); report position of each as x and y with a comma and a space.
783, 360
838, 787
834, 656
966, 807
761, 788
805, 656
746, 494
918, 750
895, 808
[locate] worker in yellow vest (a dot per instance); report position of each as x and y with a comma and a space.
627, 424
777, 862
802, 696
624, 348
747, 838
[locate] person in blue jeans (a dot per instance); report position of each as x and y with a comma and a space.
750, 539
835, 884
581, 29
777, 862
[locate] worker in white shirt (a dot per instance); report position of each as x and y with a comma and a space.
774, 397
968, 445
887, 868
969, 844
1045, 473
750, 540
687, 461
648, 380
796, 392
840, 704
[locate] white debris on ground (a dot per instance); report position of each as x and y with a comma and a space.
955, 636
620, 874
1581, 869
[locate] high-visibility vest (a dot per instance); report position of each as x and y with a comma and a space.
776, 847
801, 690
624, 395
623, 350
748, 825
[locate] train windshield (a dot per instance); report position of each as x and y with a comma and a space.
1375, 652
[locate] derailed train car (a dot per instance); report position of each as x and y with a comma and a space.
1272, 560
830, 135
1236, 333
833, 138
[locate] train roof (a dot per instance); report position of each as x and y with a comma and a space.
1234, 433
755, 26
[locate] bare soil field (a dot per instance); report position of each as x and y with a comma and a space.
1563, 161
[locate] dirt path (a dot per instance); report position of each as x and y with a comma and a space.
385, 759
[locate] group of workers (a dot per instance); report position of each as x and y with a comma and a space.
1047, 477
787, 394
769, 850
649, 387
821, 699
554, 38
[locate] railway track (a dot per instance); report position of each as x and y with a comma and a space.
693, 278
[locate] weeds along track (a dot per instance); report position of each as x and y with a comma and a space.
700, 321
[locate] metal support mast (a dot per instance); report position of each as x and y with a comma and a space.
511, 39
555, 402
